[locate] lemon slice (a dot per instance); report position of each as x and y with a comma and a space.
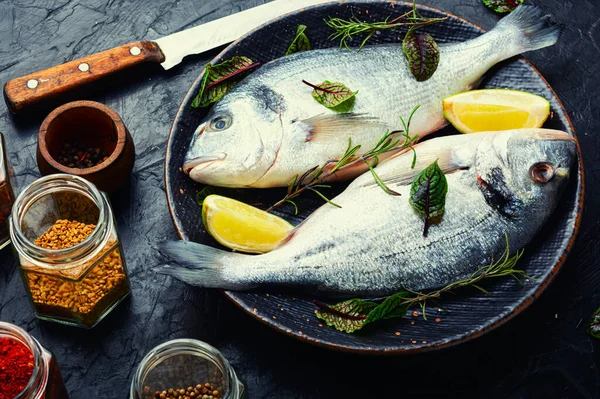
495, 109
242, 227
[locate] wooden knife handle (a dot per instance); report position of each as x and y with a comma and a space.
22, 92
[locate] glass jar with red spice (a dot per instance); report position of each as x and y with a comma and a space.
27, 370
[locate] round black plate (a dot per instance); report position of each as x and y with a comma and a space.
470, 313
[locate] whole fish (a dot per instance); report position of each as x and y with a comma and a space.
269, 128
500, 184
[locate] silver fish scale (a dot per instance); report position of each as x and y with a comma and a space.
269, 128
376, 72
386, 251
374, 244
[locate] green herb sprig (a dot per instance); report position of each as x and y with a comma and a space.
314, 178
352, 315
345, 30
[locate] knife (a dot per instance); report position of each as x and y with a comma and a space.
169, 51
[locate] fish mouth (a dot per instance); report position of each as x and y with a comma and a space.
204, 160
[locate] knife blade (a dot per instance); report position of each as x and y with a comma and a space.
23, 92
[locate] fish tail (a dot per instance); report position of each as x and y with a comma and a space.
201, 265
527, 29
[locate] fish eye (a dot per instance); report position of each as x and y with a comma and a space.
542, 172
220, 123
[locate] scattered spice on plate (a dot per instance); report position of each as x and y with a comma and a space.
206, 391
16, 367
76, 155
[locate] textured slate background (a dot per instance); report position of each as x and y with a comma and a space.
543, 353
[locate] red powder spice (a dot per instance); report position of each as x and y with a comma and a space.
16, 367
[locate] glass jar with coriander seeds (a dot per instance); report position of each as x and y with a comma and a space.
27, 369
66, 242
185, 368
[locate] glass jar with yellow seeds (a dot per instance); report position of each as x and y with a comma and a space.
66, 241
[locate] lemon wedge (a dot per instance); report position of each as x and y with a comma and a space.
495, 109
242, 227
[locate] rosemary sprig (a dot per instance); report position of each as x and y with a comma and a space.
313, 178
345, 30
352, 315
503, 267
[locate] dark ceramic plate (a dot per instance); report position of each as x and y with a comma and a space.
471, 313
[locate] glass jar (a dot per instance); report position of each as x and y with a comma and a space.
7, 196
184, 364
75, 285
46, 381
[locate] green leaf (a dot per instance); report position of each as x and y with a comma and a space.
422, 54
352, 315
502, 6
333, 95
593, 327
348, 316
219, 79
428, 193
394, 306
300, 43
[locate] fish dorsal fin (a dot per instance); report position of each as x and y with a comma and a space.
397, 171
336, 126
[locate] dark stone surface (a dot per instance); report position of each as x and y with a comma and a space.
543, 353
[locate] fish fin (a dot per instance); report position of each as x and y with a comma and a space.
407, 175
334, 126
398, 169
528, 29
354, 169
200, 265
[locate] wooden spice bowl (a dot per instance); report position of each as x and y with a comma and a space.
93, 125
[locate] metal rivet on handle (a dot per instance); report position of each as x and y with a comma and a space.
84, 67
135, 50
32, 84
